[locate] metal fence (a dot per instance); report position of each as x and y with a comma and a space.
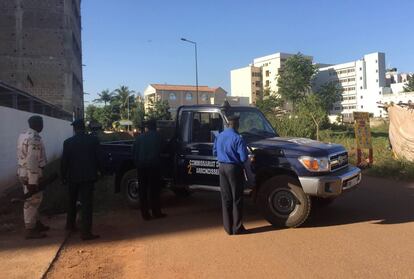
15, 98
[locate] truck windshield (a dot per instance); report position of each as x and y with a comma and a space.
252, 123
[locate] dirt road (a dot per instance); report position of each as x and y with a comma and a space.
368, 233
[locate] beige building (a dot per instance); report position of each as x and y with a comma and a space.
260, 76
179, 95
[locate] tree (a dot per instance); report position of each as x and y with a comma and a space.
123, 98
90, 113
312, 107
295, 80
102, 115
159, 110
138, 113
270, 104
104, 97
329, 94
409, 87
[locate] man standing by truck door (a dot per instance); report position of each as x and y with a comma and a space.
79, 167
31, 160
147, 155
231, 152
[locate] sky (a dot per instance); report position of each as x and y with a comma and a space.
136, 42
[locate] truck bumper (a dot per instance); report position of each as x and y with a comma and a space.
333, 184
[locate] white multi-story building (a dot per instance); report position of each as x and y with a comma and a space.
362, 82
260, 76
247, 82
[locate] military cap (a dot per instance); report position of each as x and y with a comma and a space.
78, 123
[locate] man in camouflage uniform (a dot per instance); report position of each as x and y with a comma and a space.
31, 161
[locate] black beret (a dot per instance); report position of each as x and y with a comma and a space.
35, 119
78, 123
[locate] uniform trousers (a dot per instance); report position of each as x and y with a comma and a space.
31, 207
83, 190
231, 185
149, 190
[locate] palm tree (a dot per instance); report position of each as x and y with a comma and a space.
105, 96
124, 96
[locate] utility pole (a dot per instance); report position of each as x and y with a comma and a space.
196, 64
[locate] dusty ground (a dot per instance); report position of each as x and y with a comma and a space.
368, 233
20, 258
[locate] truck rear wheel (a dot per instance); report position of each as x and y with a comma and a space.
130, 186
282, 202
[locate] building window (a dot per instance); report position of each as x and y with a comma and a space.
377, 80
376, 70
257, 83
267, 83
360, 69
267, 73
362, 107
173, 97
376, 61
362, 97
189, 96
361, 87
204, 97
360, 78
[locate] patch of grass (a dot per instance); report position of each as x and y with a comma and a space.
385, 165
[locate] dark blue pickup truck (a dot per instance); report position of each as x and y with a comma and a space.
284, 176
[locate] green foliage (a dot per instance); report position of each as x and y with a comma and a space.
293, 126
312, 107
124, 98
269, 104
159, 110
296, 78
385, 165
305, 121
103, 115
329, 94
104, 97
138, 113
409, 87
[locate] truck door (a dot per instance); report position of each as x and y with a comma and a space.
197, 163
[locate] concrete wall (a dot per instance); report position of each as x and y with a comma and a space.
41, 50
13, 122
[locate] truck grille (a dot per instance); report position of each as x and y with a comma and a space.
338, 161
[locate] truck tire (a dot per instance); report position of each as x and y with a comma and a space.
282, 202
129, 186
322, 202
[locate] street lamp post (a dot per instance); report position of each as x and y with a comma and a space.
196, 66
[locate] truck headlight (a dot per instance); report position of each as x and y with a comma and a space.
315, 164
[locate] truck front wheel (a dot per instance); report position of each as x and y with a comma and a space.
130, 186
282, 202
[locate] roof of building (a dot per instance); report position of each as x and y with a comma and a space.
170, 87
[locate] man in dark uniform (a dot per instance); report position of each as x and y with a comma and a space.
231, 152
79, 169
147, 155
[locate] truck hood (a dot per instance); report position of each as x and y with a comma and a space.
295, 147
